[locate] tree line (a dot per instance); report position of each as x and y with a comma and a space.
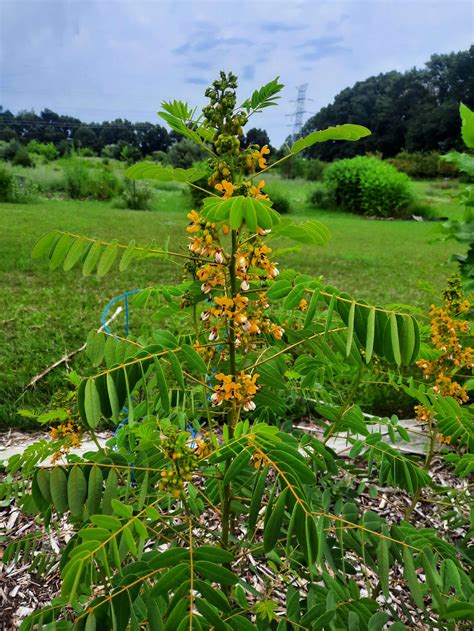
416, 110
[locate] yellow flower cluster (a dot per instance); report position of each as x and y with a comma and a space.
70, 433
253, 157
241, 391
446, 332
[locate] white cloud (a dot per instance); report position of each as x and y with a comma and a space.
103, 59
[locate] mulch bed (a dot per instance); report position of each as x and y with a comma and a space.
22, 590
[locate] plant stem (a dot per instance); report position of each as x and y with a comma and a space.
227, 493
426, 466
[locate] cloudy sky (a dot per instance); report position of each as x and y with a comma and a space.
103, 59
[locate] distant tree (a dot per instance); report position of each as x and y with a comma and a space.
183, 153
416, 110
86, 136
256, 136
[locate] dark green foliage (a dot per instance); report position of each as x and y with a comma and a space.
423, 165
6, 184
22, 158
281, 203
184, 153
368, 186
135, 196
308, 169
416, 110
82, 183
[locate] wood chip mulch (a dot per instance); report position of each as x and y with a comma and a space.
22, 590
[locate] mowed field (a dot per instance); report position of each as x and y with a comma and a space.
44, 314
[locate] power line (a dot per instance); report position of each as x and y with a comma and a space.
300, 110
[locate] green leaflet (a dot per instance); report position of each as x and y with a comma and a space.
257, 495
44, 244
467, 125
215, 573
193, 359
211, 615
310, 232
237, 465
95, 347
113, 397
74, 254
411, 578
294, 297
369, 344
107, 259
177, 370
350, 329
171, 578
60, 251
279, 289
313, 303
383, 566
340, 132
127, 256
42, 479
76, 490
236, 213
91, 403
394, 339
58, 486
162, 386
264, 97
274, 523
250, 214
94, 490
213, 554
92, 258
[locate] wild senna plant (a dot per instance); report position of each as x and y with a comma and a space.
208, 510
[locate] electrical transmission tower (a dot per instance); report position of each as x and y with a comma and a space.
300, 110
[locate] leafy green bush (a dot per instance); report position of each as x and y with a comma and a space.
47, 150
308, 169
82, 182
6, 184
281, 203
423, 165
135, 197
368, 186
184, 153
9, 149
22, 158
17, 189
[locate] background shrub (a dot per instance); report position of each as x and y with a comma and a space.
6, 184
135, 196
184, 153
368, 186
9, 149
78, 179
312, 170
321, 198
22, 158
280, 203
423, 165
47, 150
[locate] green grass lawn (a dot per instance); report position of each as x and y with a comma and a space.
44, 313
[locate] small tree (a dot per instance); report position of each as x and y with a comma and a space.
210, 511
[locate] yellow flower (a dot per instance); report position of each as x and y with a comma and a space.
256, 191
225, 187
260, 156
